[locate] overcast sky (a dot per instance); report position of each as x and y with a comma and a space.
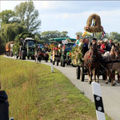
72, 15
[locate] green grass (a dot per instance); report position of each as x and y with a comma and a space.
37, 94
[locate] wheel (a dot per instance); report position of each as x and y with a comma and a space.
23, 57
39, 59
82, 75
32, 57
46, 60
28, 57
78, 72
17, 57
63, 63
57, 63
53, 62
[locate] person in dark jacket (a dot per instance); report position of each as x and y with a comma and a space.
85, 46
109, 45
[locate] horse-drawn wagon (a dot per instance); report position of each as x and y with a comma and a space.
89, 63
93, 63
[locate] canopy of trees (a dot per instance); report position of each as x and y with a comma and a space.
28, 16
46, 35
6, 16
24, 19
12, 23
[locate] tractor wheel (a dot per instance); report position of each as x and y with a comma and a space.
23, 57
46, 60
78, 72
53, 62
32, 57
39, 59
57, 63
28, 57
63, 63
82, 75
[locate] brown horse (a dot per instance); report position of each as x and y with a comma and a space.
116, 65
92, 60
111, 64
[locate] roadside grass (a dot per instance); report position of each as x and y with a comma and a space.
37, 94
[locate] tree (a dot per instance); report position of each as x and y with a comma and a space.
6, 16
2, 45
9, 31
79, 33
114, 36
28, 16
46, 35
64, 34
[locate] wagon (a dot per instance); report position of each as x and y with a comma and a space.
62, 55
81, 71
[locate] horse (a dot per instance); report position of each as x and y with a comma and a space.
116, 64
92, 63
111, 64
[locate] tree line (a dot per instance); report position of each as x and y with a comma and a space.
25, 19
115, 36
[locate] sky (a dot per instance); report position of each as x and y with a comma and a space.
71, 16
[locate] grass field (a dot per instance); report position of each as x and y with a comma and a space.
37, 94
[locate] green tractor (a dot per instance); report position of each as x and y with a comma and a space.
27, 49
66, 54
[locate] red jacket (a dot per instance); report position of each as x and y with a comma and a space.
102, 48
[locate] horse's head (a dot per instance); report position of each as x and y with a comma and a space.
94, 52
115, 53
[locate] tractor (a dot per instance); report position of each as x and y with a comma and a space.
27, 48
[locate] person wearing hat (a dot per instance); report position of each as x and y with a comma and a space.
94, 42
85, 46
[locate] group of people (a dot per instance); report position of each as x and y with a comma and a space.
103, 45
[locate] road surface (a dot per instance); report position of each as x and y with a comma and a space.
111, 94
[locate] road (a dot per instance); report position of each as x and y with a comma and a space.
110, 94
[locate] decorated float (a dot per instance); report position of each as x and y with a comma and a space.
93, 26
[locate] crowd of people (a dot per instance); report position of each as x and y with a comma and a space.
103, 45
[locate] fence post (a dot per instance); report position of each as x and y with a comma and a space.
98, 101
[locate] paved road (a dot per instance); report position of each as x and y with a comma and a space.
111, 95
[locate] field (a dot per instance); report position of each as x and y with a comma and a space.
37, 94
